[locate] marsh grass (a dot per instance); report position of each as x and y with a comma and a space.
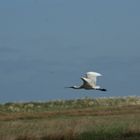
69, 104
80, 119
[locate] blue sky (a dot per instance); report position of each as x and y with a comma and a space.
49, 44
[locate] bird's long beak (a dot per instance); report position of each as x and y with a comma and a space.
69, 87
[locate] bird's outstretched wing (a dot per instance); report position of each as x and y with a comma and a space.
93, 77
87, 83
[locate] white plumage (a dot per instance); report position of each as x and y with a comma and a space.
89, 82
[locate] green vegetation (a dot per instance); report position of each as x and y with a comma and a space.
79, 119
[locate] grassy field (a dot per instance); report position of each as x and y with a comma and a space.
78, 119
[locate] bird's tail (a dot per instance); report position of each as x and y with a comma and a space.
103, 89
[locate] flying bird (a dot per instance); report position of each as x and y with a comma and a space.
89, 82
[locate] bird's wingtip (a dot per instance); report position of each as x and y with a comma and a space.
93, 73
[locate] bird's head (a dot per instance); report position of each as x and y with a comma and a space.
74, 87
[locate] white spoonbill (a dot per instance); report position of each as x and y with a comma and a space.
89, 82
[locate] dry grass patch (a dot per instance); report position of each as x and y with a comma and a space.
86, 119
